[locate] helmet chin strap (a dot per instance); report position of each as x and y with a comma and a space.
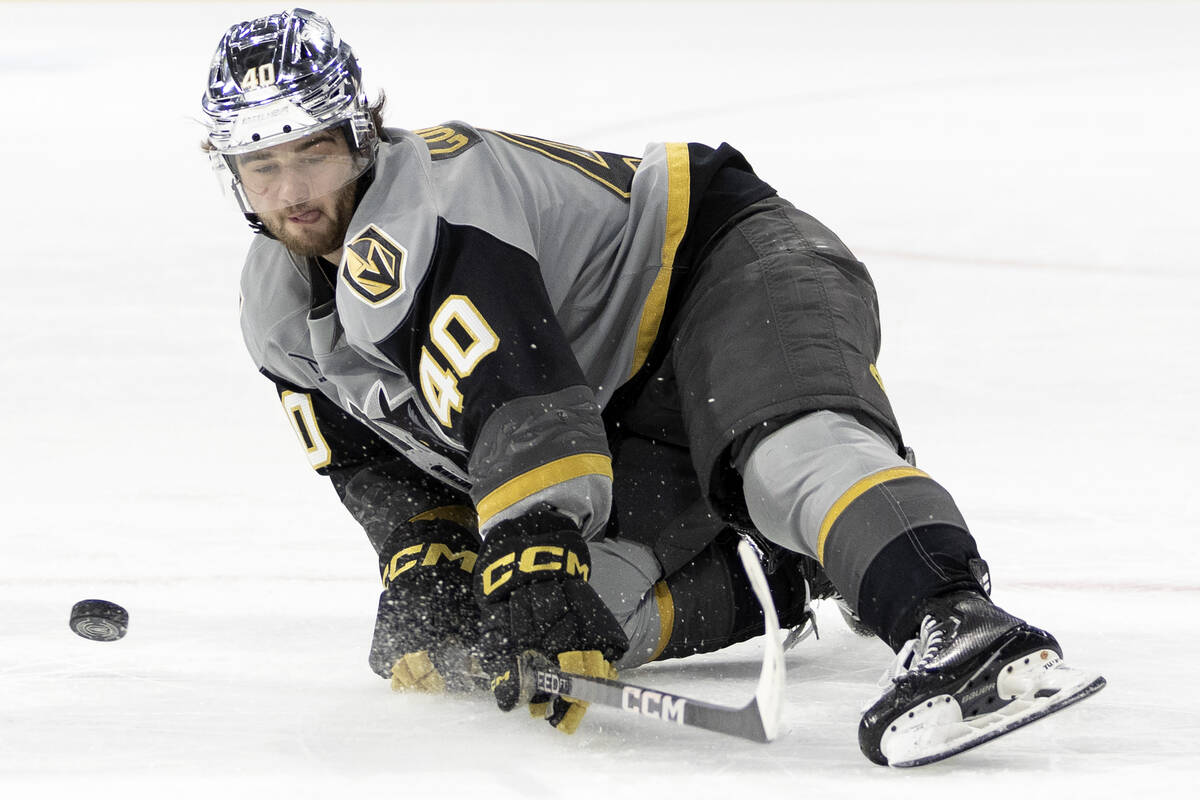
256, 225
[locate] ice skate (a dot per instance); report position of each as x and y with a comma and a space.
823, 590
974, 673
776, 559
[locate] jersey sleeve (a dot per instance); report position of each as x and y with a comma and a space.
379, 488
496, 373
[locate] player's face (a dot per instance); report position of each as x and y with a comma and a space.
303, 191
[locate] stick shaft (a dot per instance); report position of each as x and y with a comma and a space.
745, 722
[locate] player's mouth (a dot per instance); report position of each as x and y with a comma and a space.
307, 217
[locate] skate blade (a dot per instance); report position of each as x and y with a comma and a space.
936, 730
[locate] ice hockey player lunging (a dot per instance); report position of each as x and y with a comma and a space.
556, 386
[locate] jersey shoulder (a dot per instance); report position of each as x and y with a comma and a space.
430, 188
390, 241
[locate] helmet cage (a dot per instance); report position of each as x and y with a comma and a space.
359, 133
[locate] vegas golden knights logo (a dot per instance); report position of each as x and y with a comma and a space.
373, 266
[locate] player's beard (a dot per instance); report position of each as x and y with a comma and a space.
324, 236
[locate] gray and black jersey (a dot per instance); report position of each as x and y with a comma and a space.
495, 291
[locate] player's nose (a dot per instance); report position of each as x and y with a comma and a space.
293, 188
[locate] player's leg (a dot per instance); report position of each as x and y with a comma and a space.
780, 305
774, 360
668, 568
705, 605
887, 535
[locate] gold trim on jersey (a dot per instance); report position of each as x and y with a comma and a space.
458, 514
856, 491
543, 477
679, 193
546, 146
454, 140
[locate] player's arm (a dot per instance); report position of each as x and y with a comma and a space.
498, 375
379, 487
427, 622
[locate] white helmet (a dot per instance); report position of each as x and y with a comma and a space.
278, 79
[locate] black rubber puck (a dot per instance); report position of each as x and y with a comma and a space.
99, 620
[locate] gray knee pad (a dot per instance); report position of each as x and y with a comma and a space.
796, 475
624, 574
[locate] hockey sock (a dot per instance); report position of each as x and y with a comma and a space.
923, 563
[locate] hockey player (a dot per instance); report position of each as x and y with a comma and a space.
553, 384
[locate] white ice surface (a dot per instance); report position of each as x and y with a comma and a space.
1020, 178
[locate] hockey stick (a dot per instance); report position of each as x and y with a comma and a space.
757, 721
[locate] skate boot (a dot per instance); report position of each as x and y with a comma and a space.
792, 587
776, 559
823, 589
974, 673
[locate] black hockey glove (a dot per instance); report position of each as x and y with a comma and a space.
531, 582
427, 628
